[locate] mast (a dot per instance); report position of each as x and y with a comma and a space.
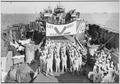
59, 3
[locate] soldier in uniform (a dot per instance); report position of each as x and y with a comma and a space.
72, 56
57, 60
64, 61
41, 62
79, 61
44, 59
97, 75
49, 62
75, 65
70, 63
64, 48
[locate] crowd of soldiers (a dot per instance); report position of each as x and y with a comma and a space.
104, 70
65, 56
60, 57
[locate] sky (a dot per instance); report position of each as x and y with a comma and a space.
36, 7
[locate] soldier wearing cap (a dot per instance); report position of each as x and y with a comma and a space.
64, 61
94, 70
79, 61
96, 77
57, 61
49, 61
44, 53
72, 57
75, 65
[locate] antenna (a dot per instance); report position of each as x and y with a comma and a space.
59, 3
49, 5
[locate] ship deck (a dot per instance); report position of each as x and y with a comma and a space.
65, 77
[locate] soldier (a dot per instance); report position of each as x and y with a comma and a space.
97, 75
79, 61
58, 44
41, 62
109, 78
61, 50
109, 56
70, 54
64, 61
72, 57
49, 62
64, 49
94, 70
52, 44
48, 42
75, 65
57, 60
44, 60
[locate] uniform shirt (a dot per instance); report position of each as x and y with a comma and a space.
80, 59
57, 59
64, 49
111, 70
107, 79
104, 66
106, 69
58, 50
64, 58
97, 77
44, 59
101, 73
107, 65
75, 62
59, 45
72, 58
49, 59
48, 44
45, 53
72, 52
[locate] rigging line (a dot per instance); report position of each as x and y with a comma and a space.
107, 41
41, 43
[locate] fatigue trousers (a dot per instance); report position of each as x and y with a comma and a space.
49, 68
58, 67
64, 66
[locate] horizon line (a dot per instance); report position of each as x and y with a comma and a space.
66, 12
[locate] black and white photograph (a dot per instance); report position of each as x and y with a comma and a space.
59, 41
